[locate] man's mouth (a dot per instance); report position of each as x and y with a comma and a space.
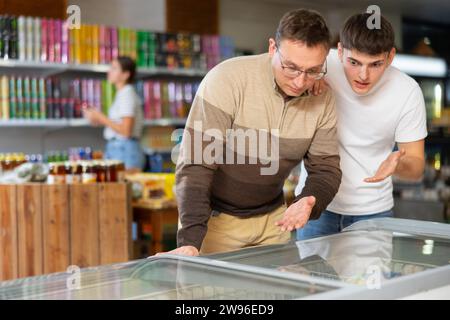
296, 91
361, 85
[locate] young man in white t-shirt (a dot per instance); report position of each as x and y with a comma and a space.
378, 106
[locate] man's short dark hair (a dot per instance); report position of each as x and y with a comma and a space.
303, 25
356, 35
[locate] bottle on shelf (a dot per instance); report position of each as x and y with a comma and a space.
57, 173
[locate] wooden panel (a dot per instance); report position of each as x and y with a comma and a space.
8, 233
115, 223
84, 225
193, 16
42, 8
29, 218
55, 212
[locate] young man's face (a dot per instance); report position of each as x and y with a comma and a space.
292, 56
362, 70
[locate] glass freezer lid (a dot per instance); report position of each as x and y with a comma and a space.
352, 257
167, 277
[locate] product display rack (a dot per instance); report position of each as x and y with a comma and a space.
51, 68
54, 69
60, 123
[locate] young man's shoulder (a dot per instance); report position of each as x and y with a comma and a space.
400, 79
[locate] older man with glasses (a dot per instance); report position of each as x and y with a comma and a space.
227, 206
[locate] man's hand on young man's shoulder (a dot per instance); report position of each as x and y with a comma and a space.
319, 87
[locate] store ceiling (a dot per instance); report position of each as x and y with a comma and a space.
430, 10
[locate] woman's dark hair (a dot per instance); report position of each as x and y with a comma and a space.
127, 64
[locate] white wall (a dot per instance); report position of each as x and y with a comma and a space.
252, 22
41, 140
137, 14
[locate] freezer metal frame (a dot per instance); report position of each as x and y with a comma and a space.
219, 268
400, 287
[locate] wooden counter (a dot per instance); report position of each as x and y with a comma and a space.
46, 228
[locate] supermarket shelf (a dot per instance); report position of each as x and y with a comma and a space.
52, 123
165, 122
92, 68
149, 150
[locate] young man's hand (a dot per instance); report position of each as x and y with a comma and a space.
319, 87
297, 215
387, 167
183, 251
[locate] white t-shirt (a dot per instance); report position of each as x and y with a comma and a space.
126, 104
368, 127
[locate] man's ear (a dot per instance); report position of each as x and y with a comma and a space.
391, 55
272, 47
340, 49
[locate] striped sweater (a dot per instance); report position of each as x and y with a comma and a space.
237, 98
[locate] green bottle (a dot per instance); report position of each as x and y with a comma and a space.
27, 98
20, 100
151, 42
141, 49
2, 30
34, 99
42, 99
13, 98
13, 41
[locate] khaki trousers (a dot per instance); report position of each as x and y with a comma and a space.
228, 233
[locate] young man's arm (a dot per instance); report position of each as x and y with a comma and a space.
324, 173
409, 162
412, 164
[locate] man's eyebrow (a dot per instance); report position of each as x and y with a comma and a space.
354, 60
317, 67
298, 68
374, 62
290, 63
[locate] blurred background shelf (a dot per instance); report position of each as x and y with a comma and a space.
51, 68
80, 122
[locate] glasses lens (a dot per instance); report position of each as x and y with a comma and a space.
315, 75
291, 72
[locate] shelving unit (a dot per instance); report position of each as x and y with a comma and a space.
52, 69
58, 68
56, 123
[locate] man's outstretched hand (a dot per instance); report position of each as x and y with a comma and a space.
297, 215
183, 251
387, 167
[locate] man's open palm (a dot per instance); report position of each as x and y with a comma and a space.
387, 167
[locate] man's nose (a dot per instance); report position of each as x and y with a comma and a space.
363, 73
299, 81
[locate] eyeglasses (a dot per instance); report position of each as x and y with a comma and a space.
294, 73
